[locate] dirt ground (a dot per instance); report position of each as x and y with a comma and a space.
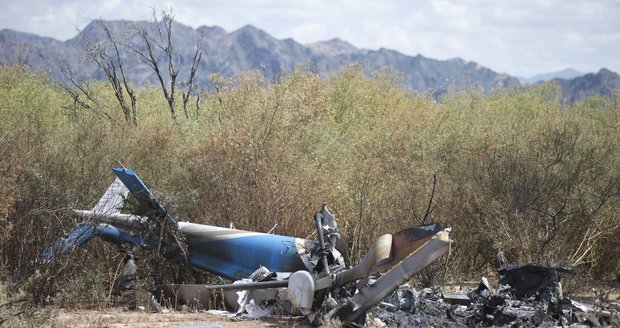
115, 318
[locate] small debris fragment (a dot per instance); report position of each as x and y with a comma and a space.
457, 298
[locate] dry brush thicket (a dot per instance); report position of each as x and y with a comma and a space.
515, 170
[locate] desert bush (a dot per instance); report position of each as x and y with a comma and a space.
540, 174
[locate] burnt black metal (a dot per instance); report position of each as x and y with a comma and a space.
531, 280
526, 294
249, 285
319, 230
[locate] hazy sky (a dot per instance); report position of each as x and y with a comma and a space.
519, 37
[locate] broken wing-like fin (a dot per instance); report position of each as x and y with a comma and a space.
112, 200
83, 233
140, 191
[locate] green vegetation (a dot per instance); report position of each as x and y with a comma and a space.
516, 171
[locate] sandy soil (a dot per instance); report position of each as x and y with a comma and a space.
114, 318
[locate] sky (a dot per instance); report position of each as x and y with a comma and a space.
518, 37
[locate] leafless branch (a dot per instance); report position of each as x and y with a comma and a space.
190, 83
80, 93
109, 65
430, 208
164, 43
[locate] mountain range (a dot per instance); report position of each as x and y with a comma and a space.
250, 48
566, 74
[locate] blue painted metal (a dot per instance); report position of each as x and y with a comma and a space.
83, 233
236, 254
133, 182
140, 191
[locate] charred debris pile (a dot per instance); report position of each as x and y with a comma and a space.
525, 296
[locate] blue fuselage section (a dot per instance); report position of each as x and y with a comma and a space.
229, 253
235, 254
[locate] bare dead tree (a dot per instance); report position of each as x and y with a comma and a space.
190, 84
80, 93
131, 92
159, 40
154, 40
106, 55
112, 65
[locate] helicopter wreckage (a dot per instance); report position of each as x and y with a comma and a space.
305, 276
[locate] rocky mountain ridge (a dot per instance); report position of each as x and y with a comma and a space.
250, 48
567, 74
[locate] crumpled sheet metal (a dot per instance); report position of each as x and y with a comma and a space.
388, 250
420, 257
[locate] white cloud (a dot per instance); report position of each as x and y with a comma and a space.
111, 4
